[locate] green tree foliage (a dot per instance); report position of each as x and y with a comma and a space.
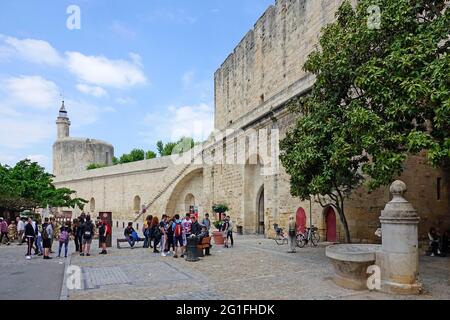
380, 94
150, 155
170, 148
94, 166
134, 155
28, 186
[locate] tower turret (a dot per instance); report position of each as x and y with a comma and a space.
63, 123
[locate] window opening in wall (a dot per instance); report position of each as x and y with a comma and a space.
438, 188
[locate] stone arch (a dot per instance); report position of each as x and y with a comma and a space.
253, 192
260, 216
137, 204
188, 189
92, 205
189, 201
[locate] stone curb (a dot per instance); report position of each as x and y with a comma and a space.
64, 292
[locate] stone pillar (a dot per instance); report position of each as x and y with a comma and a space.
399, 255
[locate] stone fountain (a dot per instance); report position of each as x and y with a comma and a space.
397, 258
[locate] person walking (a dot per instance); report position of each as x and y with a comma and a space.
12, 231
177, 227
146, 231
4, 231
170, 237
206, 222
187, 231
88, 234
163, 231
230, 231
20, 230
155, 234
102, 234
39, 239
81, 222
434, 242
224, 229
64, 238
29, 236
75, 226
47, 233
292, 227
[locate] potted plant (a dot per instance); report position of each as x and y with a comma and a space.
220, 209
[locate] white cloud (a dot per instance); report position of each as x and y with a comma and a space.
32, 91
92, 90
126, 100
82, 113
101, 71
190, 121
32, 50
19, 133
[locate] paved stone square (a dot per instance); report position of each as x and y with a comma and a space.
255, 269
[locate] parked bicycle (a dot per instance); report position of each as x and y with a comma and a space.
311, 235
280, 238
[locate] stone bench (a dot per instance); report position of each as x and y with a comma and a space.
123, 240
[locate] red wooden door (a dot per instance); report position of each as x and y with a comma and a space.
331, 225
301, 220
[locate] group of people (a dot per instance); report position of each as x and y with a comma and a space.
172, 233
40, 236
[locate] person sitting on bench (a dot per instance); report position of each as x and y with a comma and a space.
204, 234
128, 233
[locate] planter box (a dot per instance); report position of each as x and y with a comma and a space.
219, 239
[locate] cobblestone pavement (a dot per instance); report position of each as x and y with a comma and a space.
255, 269
36, 279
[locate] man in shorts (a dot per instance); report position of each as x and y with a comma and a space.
88, 234
178, 232
187, 231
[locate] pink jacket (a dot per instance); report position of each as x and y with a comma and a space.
3, 226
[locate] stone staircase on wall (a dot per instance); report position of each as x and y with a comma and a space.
163, 190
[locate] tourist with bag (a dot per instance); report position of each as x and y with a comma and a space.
178, 239
47, 232
29, 236
88, 235
64, 238
103, 232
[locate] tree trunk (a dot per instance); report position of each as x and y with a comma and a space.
344, 224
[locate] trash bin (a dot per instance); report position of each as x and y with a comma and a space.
240, 230
191, 249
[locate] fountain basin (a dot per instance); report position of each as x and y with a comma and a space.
350, 262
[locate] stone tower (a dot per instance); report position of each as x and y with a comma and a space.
63, 123
72, 156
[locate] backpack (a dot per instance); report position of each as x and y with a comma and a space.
178, 229
87, 232
44, 232
64, 236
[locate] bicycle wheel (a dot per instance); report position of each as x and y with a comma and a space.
315, 238
280, 242
301, 241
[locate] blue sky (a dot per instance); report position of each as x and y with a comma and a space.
136, 72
